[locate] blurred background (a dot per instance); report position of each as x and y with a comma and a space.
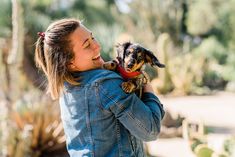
195, 39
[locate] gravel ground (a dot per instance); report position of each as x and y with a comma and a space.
217, 111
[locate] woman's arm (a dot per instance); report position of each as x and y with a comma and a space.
148, 88
141, 117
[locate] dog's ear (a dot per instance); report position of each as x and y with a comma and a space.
121, 48
152, 59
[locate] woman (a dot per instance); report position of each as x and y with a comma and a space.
99, 118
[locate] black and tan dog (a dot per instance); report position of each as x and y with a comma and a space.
130, 59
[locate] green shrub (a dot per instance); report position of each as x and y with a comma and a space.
212, 50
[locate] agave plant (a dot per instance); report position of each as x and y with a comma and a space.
34, 129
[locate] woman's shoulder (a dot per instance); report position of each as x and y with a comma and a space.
98, 76
103, 73
94, 76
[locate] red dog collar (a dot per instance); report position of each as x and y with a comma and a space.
127, 75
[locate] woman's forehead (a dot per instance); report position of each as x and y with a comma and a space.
80, 35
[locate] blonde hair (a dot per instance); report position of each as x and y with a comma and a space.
53, 53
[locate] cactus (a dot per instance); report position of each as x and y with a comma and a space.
203, 150
165, 85
34, 129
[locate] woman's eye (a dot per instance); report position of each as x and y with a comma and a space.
87, 45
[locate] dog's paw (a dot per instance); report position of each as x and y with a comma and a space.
128, 87
110, 65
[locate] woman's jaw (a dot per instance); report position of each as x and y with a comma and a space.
98, 61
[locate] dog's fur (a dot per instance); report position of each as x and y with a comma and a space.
131, 57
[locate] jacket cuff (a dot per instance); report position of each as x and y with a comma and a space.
147, 96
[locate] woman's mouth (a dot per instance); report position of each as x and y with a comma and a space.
96, 57
97, 60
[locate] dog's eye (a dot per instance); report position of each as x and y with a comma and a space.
140, 57
127, 53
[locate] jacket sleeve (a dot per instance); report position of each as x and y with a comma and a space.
141, 117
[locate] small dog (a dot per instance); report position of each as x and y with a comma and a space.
130, 59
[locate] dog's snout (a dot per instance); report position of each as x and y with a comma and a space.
131, 64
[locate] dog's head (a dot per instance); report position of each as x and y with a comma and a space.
133, 56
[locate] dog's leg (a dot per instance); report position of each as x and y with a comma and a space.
128, 86
145, 77
140, 82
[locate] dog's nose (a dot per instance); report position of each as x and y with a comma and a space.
130, 64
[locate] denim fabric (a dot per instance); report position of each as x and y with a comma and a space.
101, 120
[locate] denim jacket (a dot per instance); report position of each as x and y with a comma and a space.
101, 120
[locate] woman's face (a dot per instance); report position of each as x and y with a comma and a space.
86, 50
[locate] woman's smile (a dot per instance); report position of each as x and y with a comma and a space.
86, 50
96, 57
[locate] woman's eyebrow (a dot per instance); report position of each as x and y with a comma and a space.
86, 39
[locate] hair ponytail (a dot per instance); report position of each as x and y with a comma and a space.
39, 55
53, 52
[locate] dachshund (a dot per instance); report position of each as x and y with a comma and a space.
129, 63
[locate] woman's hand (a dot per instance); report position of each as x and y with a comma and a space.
148, 88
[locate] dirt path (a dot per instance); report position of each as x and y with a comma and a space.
216, 110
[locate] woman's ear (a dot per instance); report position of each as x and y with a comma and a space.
152, 59
71, 66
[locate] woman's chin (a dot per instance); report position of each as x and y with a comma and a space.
98, 62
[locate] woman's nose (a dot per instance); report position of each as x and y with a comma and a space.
95, 45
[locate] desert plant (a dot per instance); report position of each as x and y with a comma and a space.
212, 49
203, 150
34, 129
229, 146
164, 84
228, 71
216, 56
201, 17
